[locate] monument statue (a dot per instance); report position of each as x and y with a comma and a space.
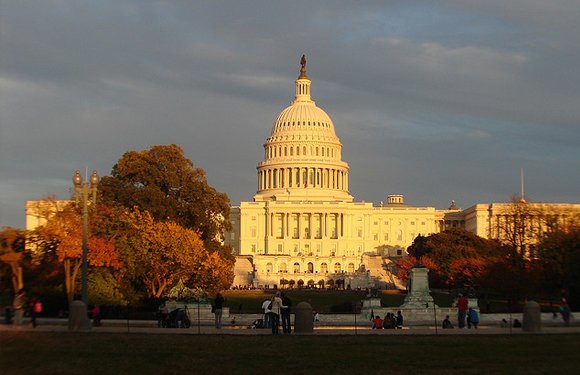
418, 294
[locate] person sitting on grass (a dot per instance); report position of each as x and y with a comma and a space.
377, 322
390, 321
399, 320
447, 323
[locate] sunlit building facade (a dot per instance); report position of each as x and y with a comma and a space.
304, 228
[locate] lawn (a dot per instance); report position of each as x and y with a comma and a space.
108, 353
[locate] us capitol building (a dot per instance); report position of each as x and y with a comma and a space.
303, 228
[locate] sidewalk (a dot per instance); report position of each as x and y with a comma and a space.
150, 327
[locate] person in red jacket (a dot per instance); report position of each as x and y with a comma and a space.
377, 322
462, 304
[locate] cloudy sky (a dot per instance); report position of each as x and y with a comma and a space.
435, 100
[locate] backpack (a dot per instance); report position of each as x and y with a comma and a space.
38, 307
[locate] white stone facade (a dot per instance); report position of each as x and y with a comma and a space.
304, 227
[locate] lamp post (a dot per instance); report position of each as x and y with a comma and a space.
84, 191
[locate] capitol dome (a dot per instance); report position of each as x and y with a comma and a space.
302, 158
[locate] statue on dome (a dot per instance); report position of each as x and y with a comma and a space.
303, 67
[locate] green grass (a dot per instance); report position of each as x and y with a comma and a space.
104, 353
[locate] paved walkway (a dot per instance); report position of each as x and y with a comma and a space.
149, 327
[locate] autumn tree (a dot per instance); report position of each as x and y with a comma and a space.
451, 245
12, 242
62, 235
162, 181
161, 253
467, 272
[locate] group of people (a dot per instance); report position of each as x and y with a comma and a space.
391, 321
464, 313
275, 309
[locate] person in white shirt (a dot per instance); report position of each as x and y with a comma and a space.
276, 309
267, 311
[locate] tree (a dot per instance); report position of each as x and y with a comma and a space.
165, 183
62, 234
559, 254
446, 247
12, 242
518, 224
467, 272
164, 253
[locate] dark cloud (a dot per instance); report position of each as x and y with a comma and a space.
438, 101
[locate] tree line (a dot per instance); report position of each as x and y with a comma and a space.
157, 223
458, 259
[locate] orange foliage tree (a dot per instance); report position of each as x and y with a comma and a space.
63, 234
165, 253
467, 272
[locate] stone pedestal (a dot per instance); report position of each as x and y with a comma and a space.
78, 318
532, 319
303, 318
418, 295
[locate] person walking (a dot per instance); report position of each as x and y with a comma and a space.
286, 306
35, 308
218, 309
162, 314
96, 315
462, 304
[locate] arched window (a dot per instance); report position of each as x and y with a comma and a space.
269, 267
351, 267
296, 267
304, 150
337, 267
310, 267
323, 268
283, 267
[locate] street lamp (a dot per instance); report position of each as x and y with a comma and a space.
85, 191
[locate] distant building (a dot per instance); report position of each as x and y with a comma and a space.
303, 228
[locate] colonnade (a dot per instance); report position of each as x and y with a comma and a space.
303, 177
305, 225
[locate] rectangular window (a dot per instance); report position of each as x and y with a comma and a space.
253, 232
279, 226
